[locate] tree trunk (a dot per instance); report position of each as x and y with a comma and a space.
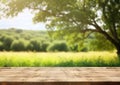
115, 41
118, 51
116, 44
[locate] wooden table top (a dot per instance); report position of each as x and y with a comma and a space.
60, 74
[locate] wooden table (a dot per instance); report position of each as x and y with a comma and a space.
60, 76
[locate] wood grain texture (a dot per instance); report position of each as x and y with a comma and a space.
60, 76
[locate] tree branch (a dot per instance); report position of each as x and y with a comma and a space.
115, 34
90, 30
99, 29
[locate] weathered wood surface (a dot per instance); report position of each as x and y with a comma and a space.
60, 76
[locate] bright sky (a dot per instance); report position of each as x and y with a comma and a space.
22, 21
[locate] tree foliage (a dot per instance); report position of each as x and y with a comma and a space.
1, 46
18, 45
58, 46
79, 18
34, 45
25, 40
7, 42
99, 43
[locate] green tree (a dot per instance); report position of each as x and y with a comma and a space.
43, 46
74, 16
58, 46
99, 43
7, 42
1, 46
18, 45
33, 45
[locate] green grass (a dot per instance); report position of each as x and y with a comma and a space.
58, 59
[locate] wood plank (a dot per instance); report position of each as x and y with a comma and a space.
60, 76
60, 83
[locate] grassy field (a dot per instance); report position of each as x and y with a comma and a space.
58, 59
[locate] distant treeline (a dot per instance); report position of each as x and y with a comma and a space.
28, 40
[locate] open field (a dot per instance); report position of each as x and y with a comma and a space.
58, 59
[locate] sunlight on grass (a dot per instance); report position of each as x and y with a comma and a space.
36, 59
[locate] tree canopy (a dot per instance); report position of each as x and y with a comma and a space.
75, 18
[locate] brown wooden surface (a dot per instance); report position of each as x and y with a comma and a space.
60, 76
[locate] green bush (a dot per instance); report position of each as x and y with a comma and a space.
2, 37
44, 46
100, 43
83, 49
18, 30
33, 45
18, 45
29, 47
7, 41
58, 46
73, 47
1, 46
